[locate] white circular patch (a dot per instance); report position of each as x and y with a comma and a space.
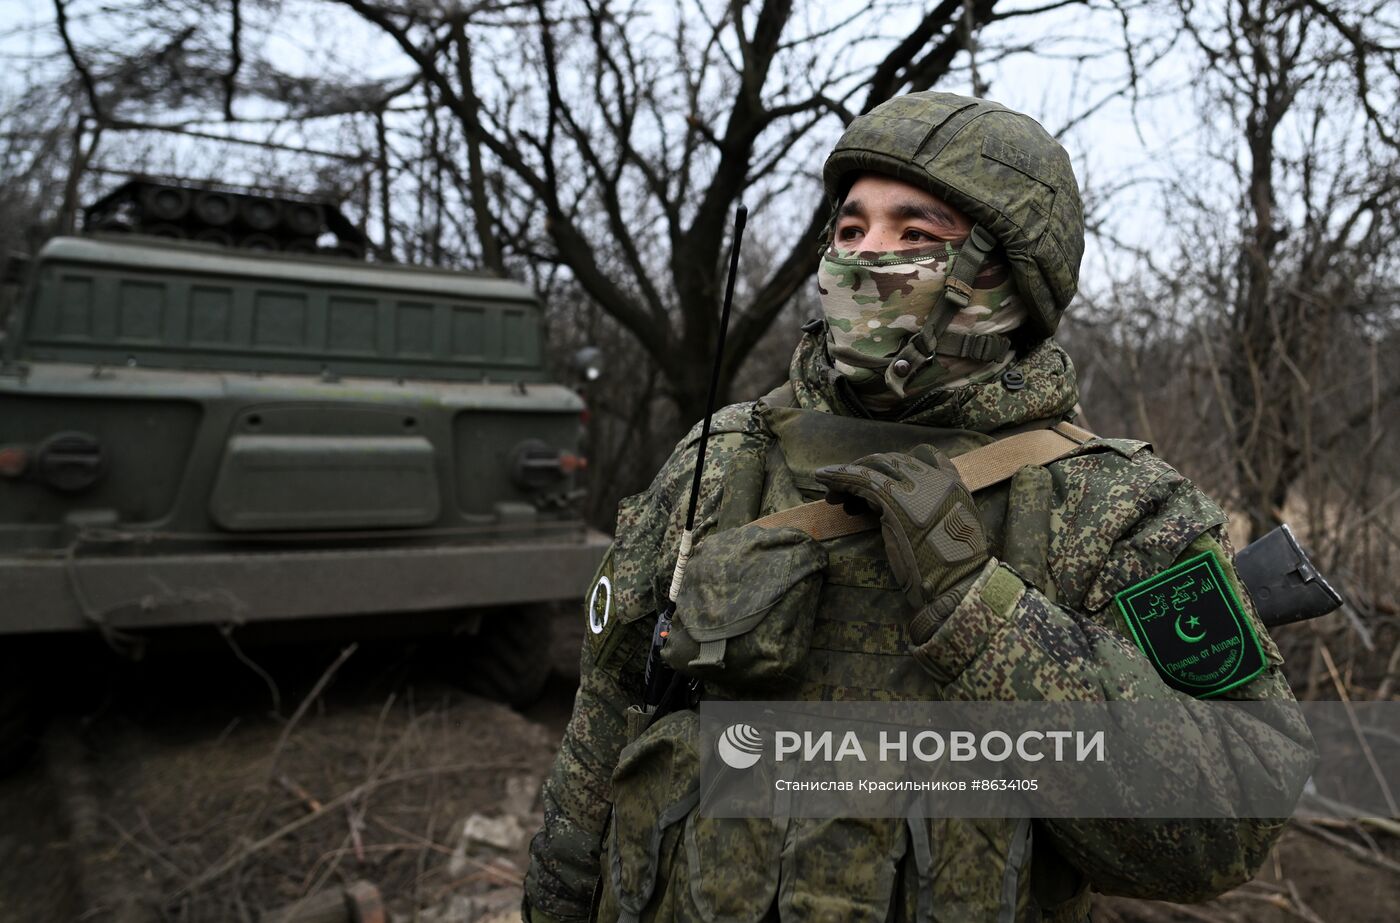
872, 324
595, 623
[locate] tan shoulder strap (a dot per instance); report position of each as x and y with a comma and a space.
979, 469
781, 396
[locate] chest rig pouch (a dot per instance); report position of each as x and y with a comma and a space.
746, 614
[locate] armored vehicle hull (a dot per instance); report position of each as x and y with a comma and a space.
191, 436
291, 498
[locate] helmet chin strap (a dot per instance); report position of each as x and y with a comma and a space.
919, 350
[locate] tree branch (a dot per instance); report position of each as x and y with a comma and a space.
84, 74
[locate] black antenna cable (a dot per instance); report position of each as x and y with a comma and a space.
661, 681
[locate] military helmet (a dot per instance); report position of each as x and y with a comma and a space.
1000, 167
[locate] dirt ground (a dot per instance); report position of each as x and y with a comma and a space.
192, 788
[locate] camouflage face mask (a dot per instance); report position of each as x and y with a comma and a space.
875, 300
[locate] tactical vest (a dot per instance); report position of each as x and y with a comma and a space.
663, 861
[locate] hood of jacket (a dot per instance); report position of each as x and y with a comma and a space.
1036, 386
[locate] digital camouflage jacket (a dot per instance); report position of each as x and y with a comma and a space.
1038, 624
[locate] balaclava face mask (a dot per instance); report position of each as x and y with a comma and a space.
875, 300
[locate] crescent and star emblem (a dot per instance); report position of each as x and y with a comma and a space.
1192, 622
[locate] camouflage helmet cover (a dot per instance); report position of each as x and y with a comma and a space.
1000, 167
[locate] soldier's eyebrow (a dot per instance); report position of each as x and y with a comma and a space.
852, 208
933, 214
936, 215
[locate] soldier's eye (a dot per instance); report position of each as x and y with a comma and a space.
850, 232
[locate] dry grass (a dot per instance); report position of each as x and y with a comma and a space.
226, 826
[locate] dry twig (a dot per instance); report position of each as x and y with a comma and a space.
229, 863
1360, 736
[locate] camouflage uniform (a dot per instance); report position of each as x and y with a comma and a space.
620, 838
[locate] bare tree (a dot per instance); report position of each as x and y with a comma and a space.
1309, 262
621, 159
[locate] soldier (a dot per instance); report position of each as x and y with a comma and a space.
953, 251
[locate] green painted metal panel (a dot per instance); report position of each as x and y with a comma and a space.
146, 443
487, 444
325, 482
185, 306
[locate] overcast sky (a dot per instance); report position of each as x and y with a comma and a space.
1126, 144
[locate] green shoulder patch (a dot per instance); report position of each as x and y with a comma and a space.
1190, 624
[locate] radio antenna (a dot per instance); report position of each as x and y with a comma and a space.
659, 677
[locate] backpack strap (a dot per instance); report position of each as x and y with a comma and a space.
979, 469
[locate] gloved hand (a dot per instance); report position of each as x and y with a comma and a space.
933, 537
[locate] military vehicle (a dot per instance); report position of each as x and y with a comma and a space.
194, 434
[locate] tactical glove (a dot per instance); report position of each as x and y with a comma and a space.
933, 537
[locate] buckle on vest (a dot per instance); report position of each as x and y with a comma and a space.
980, 239
958, 292
988, 347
